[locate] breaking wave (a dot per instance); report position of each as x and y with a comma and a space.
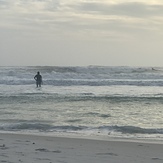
91, 76
71, 128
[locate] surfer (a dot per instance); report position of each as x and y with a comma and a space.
38, 79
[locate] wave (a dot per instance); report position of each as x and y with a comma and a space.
98, 114
91, 75
38, 126
42, 127
132, 129
86, 82
34, 98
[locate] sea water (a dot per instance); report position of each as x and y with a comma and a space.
125, 102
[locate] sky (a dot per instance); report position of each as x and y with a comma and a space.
81, 32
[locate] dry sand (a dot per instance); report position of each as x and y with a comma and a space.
42, 149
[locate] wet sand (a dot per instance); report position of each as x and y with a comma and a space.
15, 148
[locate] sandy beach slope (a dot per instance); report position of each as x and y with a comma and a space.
41, 149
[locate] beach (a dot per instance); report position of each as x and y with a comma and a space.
16, 148
81, 115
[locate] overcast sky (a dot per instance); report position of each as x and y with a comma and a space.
81, 32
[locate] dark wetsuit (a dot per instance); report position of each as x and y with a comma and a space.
38, 79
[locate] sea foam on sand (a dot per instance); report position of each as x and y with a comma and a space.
16, 148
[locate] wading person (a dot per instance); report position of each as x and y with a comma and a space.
38, 79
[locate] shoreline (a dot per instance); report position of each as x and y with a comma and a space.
25, 148
88, 137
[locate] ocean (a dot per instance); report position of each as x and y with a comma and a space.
119, 102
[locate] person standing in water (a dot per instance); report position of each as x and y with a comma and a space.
38, 79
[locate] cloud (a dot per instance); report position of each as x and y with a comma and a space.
134, 9
76, 18
74, 7
81, 29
